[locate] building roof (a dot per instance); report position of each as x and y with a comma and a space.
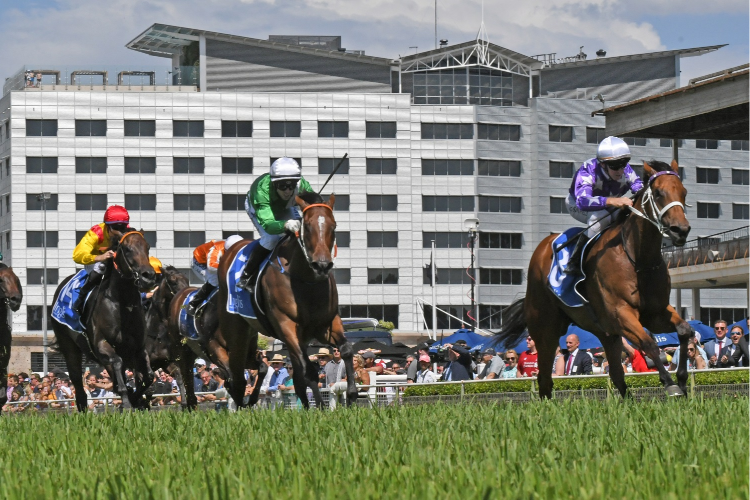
695, 51
163, 40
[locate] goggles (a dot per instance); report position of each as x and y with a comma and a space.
617, 164
285, 185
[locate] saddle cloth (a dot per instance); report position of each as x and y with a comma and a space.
62, 310
188, 328
239, 300
562, 284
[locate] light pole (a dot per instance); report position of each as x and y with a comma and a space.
472, 225
43, 197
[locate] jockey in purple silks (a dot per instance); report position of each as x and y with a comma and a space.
596, 194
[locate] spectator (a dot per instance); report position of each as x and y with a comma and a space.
459, 367
493, 365
45, 396
62, 389
12, 384
528, 364
511, 369
577, 362
636, 358
221, 392
735, 354
676, 353
371, 365
413, 368
558, 365
334, 369
198, 367
278, 376
695, 360
425, 375
34, 383
209, 385
15, 397
361, 377
105, 380
409, 360
439, 371
324, 357
287, 387
713, 347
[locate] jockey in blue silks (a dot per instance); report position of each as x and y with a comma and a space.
597, 192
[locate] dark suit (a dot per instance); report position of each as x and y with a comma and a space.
737, 355
581, 364
710, 348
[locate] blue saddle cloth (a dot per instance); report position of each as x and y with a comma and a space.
188, 328
62, 310
562, 284
239, 300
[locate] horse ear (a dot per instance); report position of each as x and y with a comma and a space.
675, 167
648, 170
331, 200
302, 204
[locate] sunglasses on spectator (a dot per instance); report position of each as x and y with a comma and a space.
720, 328
691, 350
511, 359
737, 332
286, 185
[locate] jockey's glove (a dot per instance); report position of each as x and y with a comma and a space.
292, 226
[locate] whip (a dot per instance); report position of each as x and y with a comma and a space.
332, 173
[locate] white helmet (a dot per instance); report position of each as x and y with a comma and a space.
612, 148
231, 240
285, 168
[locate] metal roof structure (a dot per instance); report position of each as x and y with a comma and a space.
692, 52
473, 53
716, 108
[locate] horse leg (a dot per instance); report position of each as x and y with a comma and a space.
669, 321
237, 339
175, 371
300, 379
613, 349
105, 351
142, 366
5, 342
347, 353
74, 362
186, 360
311, 374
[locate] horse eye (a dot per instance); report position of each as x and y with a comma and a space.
658, 193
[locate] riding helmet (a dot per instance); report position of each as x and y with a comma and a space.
612, 148
155, 263
285, 168
116, 214
231, 240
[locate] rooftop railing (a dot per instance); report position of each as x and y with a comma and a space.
729, 245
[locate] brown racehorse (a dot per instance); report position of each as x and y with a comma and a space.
298, 295
115, 328
627, 287
11, 296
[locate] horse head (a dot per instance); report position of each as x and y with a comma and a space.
10, 288
172, 282
131, 259
667, 200
317, 234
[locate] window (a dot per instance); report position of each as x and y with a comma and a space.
445, 240
342, 276
381, 166
41, 164
709, 315
236, 128
708, 210
500, 168
286, 129
233, 202
247, 235
150, 237
594, 135
560, 133
134, 165
508, 204
447, 203
34, 276
140, 201
741, 177
343, 239
35, 239
447, 131
382, 239
490, 316
667, 143
380, 130
557, 205
140, 128
193, 278
37, 128
242, 166
736, 145
7, 204
379, 312
95, 165
342, 202
740, 211
91, 201
448, 167
707, 175
91, 128
562, 169
706, 144
195, 202
444, 321
34, 317
34, 203
500, 276
497, 132
189, 165
500, 240
463, 86
189, 239
446, 276
187, 128
635, 141
382, 202
326, 166
387, 276
333, 129
7, 240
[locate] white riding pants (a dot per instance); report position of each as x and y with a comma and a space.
269, 241
597, 221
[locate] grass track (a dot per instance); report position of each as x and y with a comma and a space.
574, 449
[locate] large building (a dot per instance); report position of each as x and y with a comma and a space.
466, 131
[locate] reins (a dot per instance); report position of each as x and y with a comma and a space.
133, 275
300, 235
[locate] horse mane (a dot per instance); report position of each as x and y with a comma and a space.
3, 266
170, 269
310, 197
659, 166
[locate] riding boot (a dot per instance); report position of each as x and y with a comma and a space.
93, 279
574, 263
200, 296
251, 268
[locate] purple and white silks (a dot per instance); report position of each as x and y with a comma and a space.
592, 185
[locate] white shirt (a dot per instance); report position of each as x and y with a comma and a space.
573, 357
426, 377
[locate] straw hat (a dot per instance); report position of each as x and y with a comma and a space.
277, 358
323, 352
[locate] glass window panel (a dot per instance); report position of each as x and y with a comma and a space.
453, 131
343, 239
420, 79
179, 128
433, 79
388, 130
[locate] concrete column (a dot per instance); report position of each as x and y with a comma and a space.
696, 303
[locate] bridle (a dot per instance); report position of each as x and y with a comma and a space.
648, 204
300, 235
129, 273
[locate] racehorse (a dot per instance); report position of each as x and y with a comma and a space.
298, 295
115, 327
627, 287
11, 295
164, 351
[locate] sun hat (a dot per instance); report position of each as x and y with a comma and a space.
368, 355
323, 351
277, 358
424, 358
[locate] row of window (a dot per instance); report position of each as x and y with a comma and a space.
740, 211
490, 316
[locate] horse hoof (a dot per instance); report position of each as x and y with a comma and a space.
674, 391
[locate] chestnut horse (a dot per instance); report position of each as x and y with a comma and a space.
297, 292
115, 329
627, 287
11, 295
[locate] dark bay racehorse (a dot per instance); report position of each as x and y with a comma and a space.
115, 327
164, 351
627, 286
299, 297
11, 295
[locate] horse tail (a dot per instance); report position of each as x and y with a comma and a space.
514, 326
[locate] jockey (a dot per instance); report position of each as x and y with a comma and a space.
597, 192
92, 255
206, 258
146, 296
272, 207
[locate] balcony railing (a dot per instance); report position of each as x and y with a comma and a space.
729, 245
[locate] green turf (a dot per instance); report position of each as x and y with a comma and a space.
560, 449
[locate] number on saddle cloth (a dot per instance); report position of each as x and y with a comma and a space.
239, 300
562, 284
63, 311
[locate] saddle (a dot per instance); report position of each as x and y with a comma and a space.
563, 284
